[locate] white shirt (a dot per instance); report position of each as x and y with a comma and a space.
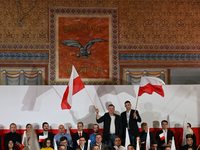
45, 135
82, 147
112, 125
119, 148
128, 117
99, 145
80, 132
165, 134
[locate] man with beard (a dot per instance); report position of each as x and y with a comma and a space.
92, 136
12, 135
45, 134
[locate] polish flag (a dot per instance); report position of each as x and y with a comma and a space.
138, 145
150, 85
162, 136
55, 145
173, 147
17, 145
24, 141
184, 131
42, 138
148, 142
74, 86
127, 141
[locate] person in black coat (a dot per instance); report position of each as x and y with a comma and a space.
112, 125
161, 137
46, 133
143, 135
83, 144
189, 143
79, 134
130, 123
12, 135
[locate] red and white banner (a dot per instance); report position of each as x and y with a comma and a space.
74, 86
150, 85
42, 138
17, 145
162, 136
148, 141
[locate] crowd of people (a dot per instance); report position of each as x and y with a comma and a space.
113, 137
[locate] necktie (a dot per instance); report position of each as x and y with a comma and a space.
79, 134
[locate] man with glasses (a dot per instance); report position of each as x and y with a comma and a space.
164, 135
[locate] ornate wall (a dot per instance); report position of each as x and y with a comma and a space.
145, 35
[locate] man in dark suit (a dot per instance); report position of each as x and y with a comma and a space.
83, 144
164, 135
112, 125
79, 134
98, 139
45, 134
143, 135
130, 118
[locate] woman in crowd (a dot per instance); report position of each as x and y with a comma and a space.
47, 144
10, 145
26, 135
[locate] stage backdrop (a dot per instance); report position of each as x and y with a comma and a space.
36, 104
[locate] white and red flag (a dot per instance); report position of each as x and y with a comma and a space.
74, 86
24, 141
148, 142
42, 138
162, 136
17, 145
127, 141
173, 147
184, 131
150, 85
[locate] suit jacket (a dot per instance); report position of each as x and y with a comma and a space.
143, 136
50, 135
75, 137
106, 125
85, 147
169, 137
103, 146
134, 130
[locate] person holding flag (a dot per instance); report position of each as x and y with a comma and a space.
12, 135
164, 135
112, 125
26, 135
130, 118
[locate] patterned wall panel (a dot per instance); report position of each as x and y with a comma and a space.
158, 31
140, 21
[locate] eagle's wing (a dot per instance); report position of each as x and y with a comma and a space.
89, 44
71, 43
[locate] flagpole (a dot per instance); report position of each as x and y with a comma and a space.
136, 104
91, 99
